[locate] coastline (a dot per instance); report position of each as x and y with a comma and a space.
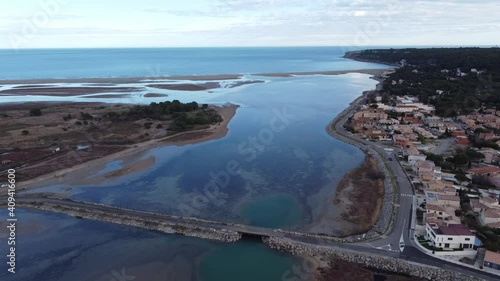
125, 80
130, 156
382, 224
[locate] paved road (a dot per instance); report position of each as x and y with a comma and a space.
398, 241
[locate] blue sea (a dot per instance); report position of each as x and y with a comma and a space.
284, 180
94, 63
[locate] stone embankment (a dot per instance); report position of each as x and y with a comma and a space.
368, 260
187, 229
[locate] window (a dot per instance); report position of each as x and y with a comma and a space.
467, 239
447, 245
440, 213
450, 238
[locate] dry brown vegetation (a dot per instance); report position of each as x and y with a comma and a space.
68, 134
362, 192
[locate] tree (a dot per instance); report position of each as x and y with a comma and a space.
474, 155
36, 112
437, 159
461, 177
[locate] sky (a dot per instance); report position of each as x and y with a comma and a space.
227, 23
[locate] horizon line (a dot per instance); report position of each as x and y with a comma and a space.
256, 47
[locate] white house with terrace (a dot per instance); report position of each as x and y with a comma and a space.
453, 236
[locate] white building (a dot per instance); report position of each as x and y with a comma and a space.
453, 236
412, 159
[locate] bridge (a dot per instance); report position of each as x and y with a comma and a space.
187, 226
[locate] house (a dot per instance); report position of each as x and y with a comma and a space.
492, 260
376, 134
460, 137
490, 155
484, 171
450, 200
439, 185
489, 216
453, 236
6, 162
424, 133
405, 108
412, 120
486, 136
374, 114
431, 120
477, 206
490, 202
401, 141
441, 212
412, 159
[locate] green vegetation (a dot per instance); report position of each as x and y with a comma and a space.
184, 116
36, 112
204, 117
490, 238
464, 77
462, 158
86, 116
437, 159
67, 117
461, 177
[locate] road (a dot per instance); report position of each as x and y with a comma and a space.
398, 242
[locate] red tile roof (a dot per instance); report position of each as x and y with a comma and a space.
455, 230
492, 257
484, 170
412, 120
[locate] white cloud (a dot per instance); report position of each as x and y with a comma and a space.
360, 13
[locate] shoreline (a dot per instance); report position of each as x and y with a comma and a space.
130, 156
125, 80
380, 225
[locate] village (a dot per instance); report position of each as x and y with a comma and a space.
453, 166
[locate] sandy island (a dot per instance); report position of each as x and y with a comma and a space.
93, 159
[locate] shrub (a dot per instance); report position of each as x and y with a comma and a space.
159, 126
25, 132
147, 125
36, 112
78, 123
67, 117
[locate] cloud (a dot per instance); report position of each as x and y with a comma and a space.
360, 13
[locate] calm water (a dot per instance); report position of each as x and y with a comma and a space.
286, 166
286, 161
54, 247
